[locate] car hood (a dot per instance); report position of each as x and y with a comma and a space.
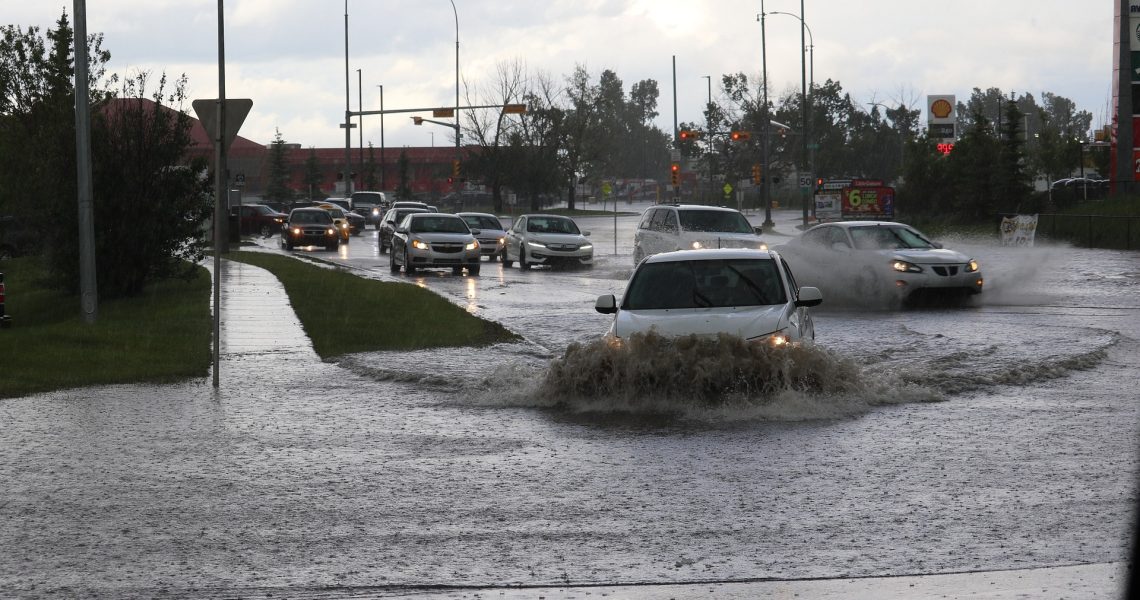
714, 239
558, 238
746, 321
443, 237
932, 256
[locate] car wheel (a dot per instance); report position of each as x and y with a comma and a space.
382, 247
473, 270
503, 257
522, 260
288, 245
395, 268
456, 270
408, 268
265, 231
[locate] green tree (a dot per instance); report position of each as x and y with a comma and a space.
1013, 183
277, 189
313, 175
404, 189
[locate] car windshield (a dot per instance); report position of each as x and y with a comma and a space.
262, 209
720, 221
335, 212
311, 216
705, 283
551, 225
440, 224
879, 237
482, 222
400, 214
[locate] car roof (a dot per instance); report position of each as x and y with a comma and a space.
546, 216
711, 254
425, 213
849, 224
695, 207
476, 214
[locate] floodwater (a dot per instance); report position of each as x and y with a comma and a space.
996, 436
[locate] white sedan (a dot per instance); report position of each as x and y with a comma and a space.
747, 293
881, 263
547, 240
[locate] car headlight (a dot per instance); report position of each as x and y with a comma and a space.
344, 225
972, 266
472, 245
776, 339
903, 266
535, 244
763, 246
420, 245
375, 213
586, 247
697, 245
330, 231
502, 241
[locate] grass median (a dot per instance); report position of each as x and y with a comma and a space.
162, 335
343, 313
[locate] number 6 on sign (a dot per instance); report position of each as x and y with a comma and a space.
855, 198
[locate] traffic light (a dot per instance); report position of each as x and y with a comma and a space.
455, 169
819, 183
688, 134
741, 136
675, 174
757, 174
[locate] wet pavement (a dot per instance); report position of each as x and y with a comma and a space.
441, 474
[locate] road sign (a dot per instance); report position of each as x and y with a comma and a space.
727, 189
239, 179
806, 181
607, 189
441, 113
236, 111
514, 109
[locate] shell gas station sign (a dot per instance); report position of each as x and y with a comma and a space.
942, 121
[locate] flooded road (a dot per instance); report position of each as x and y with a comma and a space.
996, 436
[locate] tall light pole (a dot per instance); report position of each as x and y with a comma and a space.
360, 108
383, 165
456, 13
708, 134
347, 114
765, 189
808, 151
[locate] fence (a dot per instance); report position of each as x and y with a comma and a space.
1092, 231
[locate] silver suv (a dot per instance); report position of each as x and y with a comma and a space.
670, 227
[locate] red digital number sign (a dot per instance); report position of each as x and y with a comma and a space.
945, 148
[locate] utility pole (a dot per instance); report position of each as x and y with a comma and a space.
89, 293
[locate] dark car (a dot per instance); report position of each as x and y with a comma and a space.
388, 224
17, 237
310, 227
371, 206
258, 219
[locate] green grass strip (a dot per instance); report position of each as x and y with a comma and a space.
161, 336
343, 313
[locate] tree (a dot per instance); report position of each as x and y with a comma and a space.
278, 188
404, 189
490, 128
532, 146
1013, 186
313, 176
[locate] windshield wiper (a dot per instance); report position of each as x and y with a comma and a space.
759, 293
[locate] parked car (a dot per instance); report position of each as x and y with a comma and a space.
492, 236
546, 240
258, 219
747, 293
340, 217
389, 223
434, 240
310, 227
371, 206
692, 227
881, 263
17, 237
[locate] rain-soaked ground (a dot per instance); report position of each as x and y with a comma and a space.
987, 448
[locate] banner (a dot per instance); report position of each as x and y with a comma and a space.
1018, 230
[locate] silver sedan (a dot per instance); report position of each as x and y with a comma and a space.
434, 240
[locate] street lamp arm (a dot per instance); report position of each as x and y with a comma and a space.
811, 38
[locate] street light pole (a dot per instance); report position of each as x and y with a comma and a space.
456, 13
383, 165
360, 124
808, 156
765, 190
708, 134
347, 114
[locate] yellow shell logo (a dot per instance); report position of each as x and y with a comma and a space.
941, 108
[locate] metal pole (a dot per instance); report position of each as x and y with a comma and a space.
765, 186
89, 292
221, 196
360, 125
383, 165
708, 124
347, 114
676, 131
803, 102
456, 13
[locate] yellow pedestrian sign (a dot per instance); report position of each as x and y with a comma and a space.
727, 190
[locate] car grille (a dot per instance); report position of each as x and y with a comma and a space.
948, 271
447, 247
563, 247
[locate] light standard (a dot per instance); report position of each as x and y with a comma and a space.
765, 195
708, 134
360, 108
347, 114
805, 161
456, 13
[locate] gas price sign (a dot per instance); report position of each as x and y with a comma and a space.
868, 200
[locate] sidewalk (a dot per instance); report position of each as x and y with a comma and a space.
257, 322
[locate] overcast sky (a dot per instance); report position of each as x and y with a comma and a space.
289, 55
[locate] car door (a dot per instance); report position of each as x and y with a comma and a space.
515, 238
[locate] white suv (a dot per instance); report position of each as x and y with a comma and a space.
670, 227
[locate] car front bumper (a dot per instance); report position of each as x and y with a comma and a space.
940, 278
443, 255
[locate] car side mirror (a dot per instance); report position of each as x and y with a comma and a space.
607, 304
586, 233
476, 231
401, 230
809, 296
758, 230
937, 245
